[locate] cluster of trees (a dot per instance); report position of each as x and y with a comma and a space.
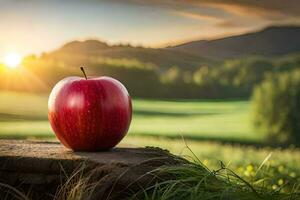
276, 106
233, 78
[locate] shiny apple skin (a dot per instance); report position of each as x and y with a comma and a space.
89, 115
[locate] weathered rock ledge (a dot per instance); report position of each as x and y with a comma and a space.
39, 168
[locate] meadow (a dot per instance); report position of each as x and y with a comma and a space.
211, 130
25, 115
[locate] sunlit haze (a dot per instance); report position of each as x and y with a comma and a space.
12, 60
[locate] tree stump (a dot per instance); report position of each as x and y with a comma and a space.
46, 170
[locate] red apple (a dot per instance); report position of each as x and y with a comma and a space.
89, 114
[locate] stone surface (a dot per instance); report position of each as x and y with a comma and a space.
42, 167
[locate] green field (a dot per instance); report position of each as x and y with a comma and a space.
203, 124
26, 115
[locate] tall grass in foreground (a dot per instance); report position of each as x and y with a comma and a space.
188, 181
195, 181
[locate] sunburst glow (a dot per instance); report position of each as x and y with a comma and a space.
12, 60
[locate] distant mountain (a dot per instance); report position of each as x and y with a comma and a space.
82, 52
271, 41
88, 46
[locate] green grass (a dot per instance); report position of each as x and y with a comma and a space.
274, 173
189, 180
29, 105
194, 181
194, 119
24, 115
281, 164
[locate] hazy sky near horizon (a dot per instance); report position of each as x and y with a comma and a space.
34, 26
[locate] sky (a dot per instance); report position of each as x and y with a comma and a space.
35, 26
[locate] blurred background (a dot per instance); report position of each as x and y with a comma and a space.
222, 77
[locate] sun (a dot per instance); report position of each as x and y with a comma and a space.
12, 60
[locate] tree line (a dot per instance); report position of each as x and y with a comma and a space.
233, 78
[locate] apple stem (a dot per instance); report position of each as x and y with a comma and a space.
81, 68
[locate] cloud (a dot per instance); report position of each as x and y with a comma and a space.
196, 16
260, 7
229, 24
265, 9
250, 11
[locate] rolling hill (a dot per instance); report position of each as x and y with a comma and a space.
271, 41
84, 52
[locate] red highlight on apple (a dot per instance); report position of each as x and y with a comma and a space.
89, 114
